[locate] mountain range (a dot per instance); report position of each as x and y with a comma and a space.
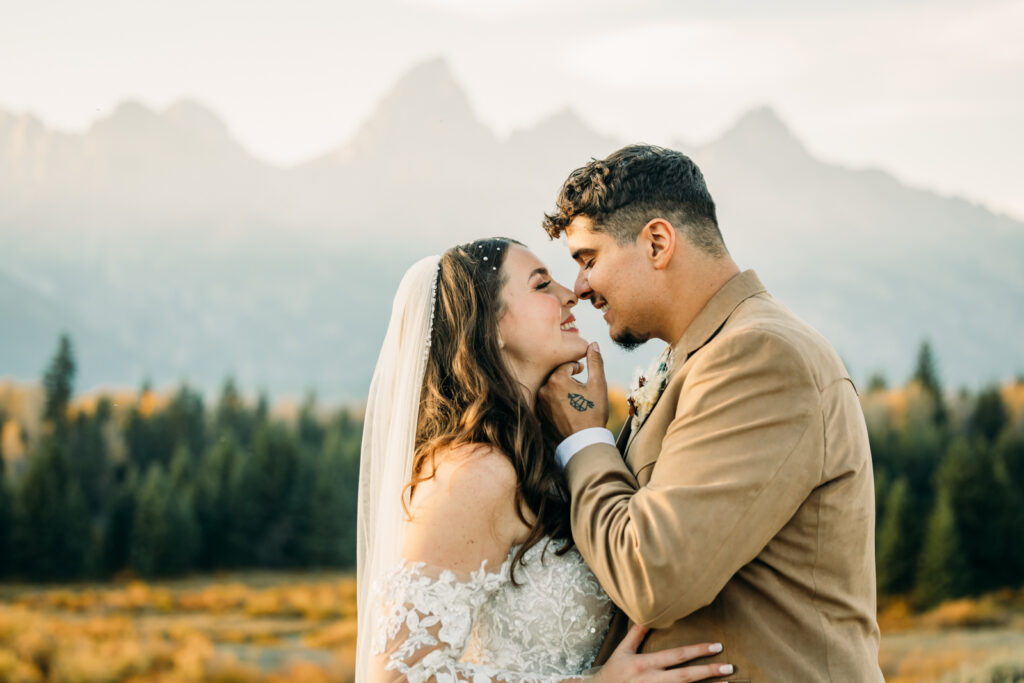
171, 253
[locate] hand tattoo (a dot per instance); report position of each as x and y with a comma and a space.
580, 402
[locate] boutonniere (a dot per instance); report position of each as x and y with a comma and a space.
647, 387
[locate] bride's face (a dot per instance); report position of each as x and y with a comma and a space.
537, 327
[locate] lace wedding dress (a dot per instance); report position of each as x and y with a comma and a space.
438, 625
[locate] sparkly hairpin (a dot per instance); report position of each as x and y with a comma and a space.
433, 305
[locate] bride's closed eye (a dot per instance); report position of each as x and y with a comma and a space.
544, 284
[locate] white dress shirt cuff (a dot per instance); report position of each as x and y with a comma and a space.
575, 443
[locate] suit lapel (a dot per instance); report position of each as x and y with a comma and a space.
624, 434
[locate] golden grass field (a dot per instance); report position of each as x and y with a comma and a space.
274, 627
252, 627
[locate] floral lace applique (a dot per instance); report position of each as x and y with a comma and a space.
439, 625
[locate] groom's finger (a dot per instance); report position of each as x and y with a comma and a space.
595, 367
567, 370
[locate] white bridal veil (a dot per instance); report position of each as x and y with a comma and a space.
389, 436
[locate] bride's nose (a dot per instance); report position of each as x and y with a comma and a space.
568, 297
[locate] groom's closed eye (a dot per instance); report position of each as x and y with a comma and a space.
580, 255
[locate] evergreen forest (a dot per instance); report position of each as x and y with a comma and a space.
156, 486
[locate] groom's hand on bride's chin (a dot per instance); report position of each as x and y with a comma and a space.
572, 405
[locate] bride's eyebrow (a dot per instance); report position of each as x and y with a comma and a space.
537, 271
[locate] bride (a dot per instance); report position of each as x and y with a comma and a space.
466, 567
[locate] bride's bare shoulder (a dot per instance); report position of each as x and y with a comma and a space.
477, 461
466, 511
473, 472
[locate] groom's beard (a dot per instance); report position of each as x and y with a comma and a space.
629, 340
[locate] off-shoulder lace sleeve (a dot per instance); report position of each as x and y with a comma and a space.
425, 618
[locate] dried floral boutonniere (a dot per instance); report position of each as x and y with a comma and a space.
647, 387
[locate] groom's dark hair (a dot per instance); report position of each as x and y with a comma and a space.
623, 192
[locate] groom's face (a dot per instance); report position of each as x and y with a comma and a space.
612, 277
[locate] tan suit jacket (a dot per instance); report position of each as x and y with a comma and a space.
742, 510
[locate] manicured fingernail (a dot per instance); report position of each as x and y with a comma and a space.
725, 669
717, 647
597, 347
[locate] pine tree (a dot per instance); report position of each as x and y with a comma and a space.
89, 462
968, 474
989, 416
58, 383
150, 530
182, 468
331, 541
164, 531
51, 530
5, 522
927, 375
118, 519
186, 417
214, 500
51, 526
1009, 467
311, 432
263, 529
896, 546
925, 370
942, 573
150, 434
300, 509
262, 412
232, 414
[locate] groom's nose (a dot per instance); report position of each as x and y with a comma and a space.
582, 286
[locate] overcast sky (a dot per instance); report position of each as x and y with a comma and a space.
931, 91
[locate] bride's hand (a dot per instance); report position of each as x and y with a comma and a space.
626, 665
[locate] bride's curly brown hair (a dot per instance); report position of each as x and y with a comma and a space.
470, 395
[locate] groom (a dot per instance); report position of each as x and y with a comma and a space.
738, 504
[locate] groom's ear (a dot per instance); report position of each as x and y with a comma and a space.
658, 238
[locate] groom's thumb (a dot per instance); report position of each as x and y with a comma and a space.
595, 364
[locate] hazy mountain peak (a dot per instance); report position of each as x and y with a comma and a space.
434, 71
761, 129
130, 112
427, 90
563, 139
761, 119
565, 119
426, 108
192, 115
130, 120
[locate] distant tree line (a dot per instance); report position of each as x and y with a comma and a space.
162, 492
186, 487
949, 486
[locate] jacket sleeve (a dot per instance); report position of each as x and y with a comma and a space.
742, 453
